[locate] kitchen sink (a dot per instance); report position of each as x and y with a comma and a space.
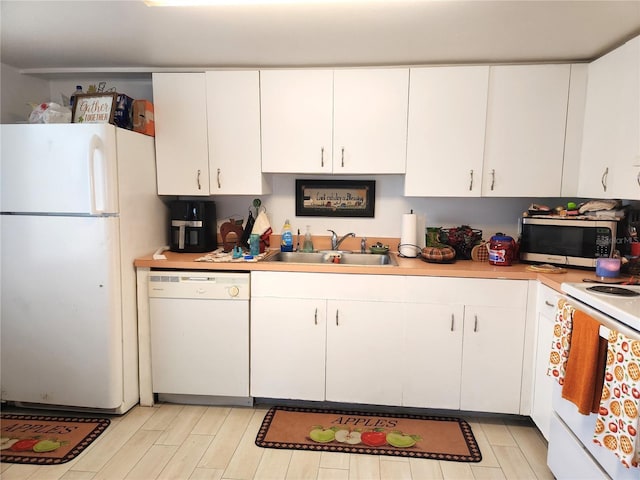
334, 257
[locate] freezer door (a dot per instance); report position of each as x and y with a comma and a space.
58, 168
61, 318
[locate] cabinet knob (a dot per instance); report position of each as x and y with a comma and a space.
322, 156
471, 180
218, 179
493, 178
198, 180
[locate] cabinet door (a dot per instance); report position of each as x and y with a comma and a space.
492, 359
526, 120
370, 120
364, 354
433, 351
610, 162
297, 116
233, 115
288, 348
182, 155
541, 410
445, 139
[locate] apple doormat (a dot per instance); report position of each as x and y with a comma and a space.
399, 435
46, 440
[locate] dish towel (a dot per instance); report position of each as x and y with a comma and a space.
617, 424
584, 374
561, 341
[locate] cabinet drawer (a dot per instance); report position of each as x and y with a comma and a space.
467, 291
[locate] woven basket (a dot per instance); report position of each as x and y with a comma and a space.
462, 239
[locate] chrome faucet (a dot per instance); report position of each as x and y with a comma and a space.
335, 243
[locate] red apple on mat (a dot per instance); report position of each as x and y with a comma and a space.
377, 438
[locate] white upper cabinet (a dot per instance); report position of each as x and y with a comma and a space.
610, 162
447, 120
370, 120
334, 121
526, 119
297, 120
182, 156
233, 115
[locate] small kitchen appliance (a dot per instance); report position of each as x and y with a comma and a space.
574, 242
192, 226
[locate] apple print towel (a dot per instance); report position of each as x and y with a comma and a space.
617, 424
561, 341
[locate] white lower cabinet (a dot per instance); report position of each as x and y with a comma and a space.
493, 344
364, 352
433, 350
429, 342
326, 337
541, 408
467, 340
288, 337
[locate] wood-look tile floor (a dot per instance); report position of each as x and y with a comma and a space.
192, 442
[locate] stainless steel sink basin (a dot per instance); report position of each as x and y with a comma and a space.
328, 256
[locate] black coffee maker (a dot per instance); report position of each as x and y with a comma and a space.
193, 227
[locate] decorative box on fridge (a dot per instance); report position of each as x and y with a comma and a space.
122, 116
143, 117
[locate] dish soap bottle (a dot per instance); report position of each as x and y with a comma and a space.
307, 246
286, 237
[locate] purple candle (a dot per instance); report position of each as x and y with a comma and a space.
607, 267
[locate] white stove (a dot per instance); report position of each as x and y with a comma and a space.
620, 302
572, 453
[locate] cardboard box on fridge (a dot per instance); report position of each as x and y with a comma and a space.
143, 117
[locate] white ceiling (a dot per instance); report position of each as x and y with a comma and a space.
41, 35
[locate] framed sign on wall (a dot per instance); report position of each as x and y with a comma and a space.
335, 198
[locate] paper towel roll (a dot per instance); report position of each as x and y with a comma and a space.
408, 237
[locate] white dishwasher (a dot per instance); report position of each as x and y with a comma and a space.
199, 335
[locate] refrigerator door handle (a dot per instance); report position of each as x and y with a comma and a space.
97, 175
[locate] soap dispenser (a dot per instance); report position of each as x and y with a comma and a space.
307, 246
286, 238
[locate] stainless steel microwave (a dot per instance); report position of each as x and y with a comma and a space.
571, 242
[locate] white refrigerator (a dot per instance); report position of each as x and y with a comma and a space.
78, 204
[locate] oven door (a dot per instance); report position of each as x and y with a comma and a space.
572, 454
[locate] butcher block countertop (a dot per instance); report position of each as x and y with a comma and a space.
406, 266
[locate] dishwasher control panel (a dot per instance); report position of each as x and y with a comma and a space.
204, 285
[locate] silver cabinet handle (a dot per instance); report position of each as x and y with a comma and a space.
475, 324
603, 180
548, 303
337, 317
471, 180
322, 156
198, 180
218, 178
638, 178
452, 322
493, 178
342, 156
315, 319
